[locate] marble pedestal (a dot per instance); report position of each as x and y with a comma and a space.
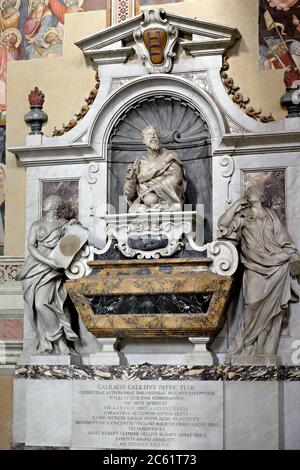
232, 407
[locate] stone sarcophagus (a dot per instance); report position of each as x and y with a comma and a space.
151, 298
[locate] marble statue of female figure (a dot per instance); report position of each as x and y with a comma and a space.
156, 181
42, 281
266, 253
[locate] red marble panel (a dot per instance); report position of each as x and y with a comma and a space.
11, 329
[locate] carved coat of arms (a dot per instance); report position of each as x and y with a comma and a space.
155, 40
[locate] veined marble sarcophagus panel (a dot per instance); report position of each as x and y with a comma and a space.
151, 298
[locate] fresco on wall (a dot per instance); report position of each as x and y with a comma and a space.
33, 29
279, 34
272, 185
158, 2
2, 188
68, 190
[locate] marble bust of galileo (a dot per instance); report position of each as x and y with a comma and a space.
156, 181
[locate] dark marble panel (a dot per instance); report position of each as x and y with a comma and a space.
114, 254
68, 190
272, 185
143, 304
160, 372
290, 373
148, 242
253, 373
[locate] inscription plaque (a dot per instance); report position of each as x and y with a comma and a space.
148, 414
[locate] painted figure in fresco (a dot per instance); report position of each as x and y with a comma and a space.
52, 42
40, 19
156, 181
9, 14
266, 253
10, 41
284, 5
279, 33
2, 205
59, 9
42, 281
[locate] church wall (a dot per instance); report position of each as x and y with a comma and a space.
64, 99
66, 81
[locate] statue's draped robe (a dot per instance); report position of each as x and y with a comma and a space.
266, 248
164, 175
42, 284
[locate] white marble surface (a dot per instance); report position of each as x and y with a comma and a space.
251, 416
48, 359
48, 413
18, 425
148, 414
199, 355
157, 351
291, 413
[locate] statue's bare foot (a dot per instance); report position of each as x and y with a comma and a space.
62, 346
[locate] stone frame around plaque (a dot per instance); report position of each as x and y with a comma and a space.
86, 176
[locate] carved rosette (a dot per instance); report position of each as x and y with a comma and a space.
155, 41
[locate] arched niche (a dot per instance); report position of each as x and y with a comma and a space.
189, 123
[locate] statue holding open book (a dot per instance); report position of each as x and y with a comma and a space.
52, 244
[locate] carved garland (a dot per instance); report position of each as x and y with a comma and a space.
239, 98
84, 109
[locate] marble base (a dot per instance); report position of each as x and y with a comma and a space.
254, 407
251, 415
48, 413
199, 355
291, 413
109, 355
19, 394
49, 359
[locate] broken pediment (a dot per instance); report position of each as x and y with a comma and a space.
155, 38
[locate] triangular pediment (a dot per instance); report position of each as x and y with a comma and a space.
120, 41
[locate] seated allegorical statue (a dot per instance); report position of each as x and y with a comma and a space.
156, 181
42, 280
267, 252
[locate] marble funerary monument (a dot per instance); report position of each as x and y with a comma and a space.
176, 283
